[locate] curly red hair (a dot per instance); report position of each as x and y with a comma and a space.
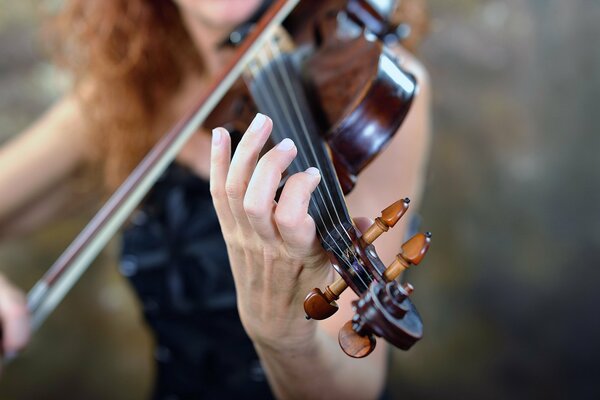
136, 54
132, 55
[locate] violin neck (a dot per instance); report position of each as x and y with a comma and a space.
278, 92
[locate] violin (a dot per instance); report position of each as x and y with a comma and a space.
323, 72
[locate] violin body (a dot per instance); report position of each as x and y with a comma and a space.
359, 94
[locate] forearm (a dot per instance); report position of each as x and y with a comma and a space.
319, 369
41, 157
64, 200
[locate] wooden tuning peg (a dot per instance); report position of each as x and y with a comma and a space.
412, 253
389, 217
354, 344
321, 305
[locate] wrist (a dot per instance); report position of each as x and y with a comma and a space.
304, 343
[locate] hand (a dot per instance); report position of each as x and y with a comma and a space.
272, 246
14, 316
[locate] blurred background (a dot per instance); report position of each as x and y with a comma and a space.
509, 292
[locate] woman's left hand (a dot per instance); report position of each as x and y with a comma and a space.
272, 246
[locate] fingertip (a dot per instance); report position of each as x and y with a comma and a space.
216, 136
316, 176
286, 144
219, 135
260, 123
268, 122
313, 171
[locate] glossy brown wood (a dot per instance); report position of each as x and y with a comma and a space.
386, 311
392, 214
412, 253
389, 218
319, 305
353, 344
235, 111
415, 248
361, 108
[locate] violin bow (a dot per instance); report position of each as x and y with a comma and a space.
48, 292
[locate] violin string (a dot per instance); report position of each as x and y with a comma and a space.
264, 60
267, 98
254, 72
276, 54
278, 61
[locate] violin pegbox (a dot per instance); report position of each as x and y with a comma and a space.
322, 305
384, 309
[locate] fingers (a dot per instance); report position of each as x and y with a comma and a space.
242, 167
220, 155
244, 188
296, 227
259, 199
15, 318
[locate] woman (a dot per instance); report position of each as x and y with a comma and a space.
138, 65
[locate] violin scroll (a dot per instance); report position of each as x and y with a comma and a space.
385, 311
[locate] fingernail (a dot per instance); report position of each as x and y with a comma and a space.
285, 145
257, 123
313, 171
216, 136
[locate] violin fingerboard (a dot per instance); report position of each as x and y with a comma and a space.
278, 92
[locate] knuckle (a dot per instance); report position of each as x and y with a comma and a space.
234, 190
255, 209
267, 164
286, 219
299, 182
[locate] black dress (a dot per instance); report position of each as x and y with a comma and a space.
175, 257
